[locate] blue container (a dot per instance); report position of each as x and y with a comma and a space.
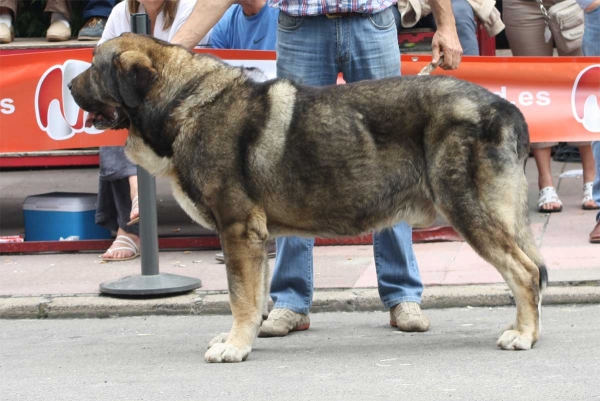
48, 217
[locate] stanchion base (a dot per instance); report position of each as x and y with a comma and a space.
159, 284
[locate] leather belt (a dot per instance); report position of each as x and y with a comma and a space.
340, 15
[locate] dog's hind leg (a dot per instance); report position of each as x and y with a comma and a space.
486, 218
244, 246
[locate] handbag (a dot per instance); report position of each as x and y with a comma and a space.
564, 23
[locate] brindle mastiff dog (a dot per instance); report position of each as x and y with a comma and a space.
255, 160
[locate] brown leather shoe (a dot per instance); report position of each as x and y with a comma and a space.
7, 34
595, 234
93, 29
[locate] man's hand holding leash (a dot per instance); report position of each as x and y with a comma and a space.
445, 39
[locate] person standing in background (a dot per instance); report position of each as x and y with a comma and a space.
525, 30
591, 47
117, 187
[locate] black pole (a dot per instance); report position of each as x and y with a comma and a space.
140, 23
151, 282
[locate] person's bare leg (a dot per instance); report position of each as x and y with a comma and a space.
133, 190
589, 169
542, 160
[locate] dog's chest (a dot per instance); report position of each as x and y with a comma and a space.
144, 156
198, 213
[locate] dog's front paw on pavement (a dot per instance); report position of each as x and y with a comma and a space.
515, 340
220, 338
226, 352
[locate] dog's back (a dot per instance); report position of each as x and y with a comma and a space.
382, 140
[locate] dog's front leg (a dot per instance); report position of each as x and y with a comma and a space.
245, 258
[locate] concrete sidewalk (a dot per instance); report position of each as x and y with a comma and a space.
66, 285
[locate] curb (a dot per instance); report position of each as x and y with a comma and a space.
211, 303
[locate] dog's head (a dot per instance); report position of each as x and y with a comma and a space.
121, 75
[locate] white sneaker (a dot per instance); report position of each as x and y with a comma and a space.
7, 34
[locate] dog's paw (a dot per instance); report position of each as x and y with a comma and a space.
510, 326
515, 340
221, 338
226, 352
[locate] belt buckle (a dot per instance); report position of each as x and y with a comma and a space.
333, 16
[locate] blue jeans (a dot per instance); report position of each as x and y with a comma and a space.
591, 33
591, 47
98, 8
312, 51
466, 27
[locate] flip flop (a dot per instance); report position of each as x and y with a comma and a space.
129, 245
134, 206
548, 195
587, 196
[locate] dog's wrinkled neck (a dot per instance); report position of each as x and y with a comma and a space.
148, 122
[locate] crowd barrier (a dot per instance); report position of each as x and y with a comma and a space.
558, 95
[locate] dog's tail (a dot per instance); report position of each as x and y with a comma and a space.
521, 134
526, 242
523, 232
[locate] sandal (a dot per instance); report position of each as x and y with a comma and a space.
587, 196
135, 206
129, 245
548, 195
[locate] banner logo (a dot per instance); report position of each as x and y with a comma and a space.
585, 98
56, 112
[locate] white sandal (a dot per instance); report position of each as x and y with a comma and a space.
129, 245
134, 206
587, 196
548, 195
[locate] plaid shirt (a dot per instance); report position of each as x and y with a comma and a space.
320, 7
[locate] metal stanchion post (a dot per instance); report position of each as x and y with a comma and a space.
150, 282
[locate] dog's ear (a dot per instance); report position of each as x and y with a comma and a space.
135, 75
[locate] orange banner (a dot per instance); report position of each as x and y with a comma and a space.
558, 96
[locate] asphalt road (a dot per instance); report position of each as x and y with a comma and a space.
344, 356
